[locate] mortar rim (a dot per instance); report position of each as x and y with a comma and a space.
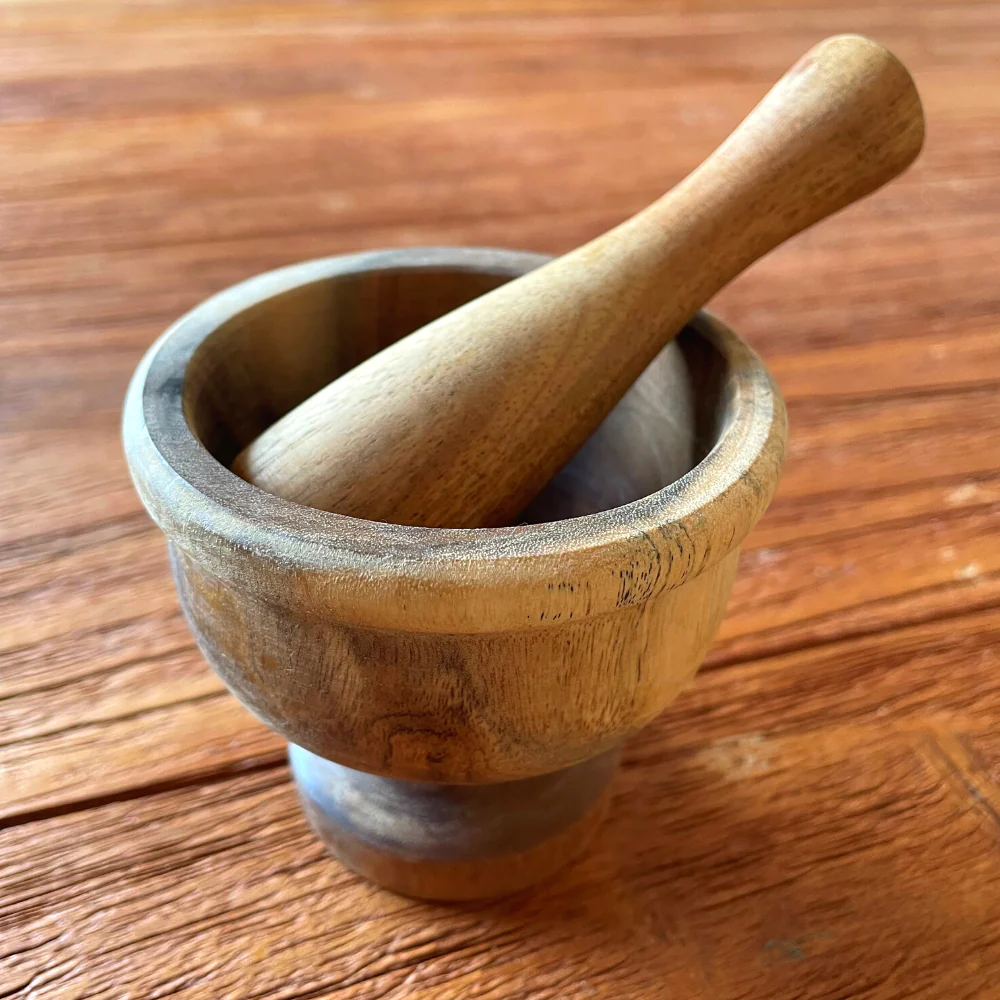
414, 577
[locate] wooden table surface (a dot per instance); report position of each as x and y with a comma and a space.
818, 816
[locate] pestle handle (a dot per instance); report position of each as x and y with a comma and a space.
461, 423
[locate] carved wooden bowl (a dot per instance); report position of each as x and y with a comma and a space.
455, 698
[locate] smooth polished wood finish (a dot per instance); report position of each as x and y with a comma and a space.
815, 815
463, 422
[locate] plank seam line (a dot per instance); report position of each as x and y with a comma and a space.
884, 628
196, 780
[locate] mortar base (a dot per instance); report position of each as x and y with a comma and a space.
453, 842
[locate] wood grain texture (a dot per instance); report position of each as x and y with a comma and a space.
815, 817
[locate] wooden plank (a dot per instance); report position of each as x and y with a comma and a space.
844, 858
182, 735
109, 574
186, 37
943, 671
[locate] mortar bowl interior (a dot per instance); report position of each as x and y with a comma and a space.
245, 375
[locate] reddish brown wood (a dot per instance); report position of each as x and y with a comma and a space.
816, 816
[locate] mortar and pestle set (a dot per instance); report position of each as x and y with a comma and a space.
457, 568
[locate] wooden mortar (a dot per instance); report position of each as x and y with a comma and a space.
455, 698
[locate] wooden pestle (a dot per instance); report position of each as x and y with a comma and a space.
461, 423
